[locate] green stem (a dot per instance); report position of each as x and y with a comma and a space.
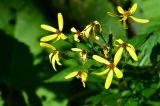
103, 38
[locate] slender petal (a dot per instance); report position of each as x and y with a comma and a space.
96, 22
76, 38
57, 58
133, 8
50, 57
84, 57
118, 72
84, 76
118, 55
129, 45
87, 30
96, 38
132, 53
103, 72
120, 10
62, 36
109, 79
71, 75
48, 38
139, 20
100, 59
76, 49
60, 21
124, 18
48, 28
73, 30
53, 63
120, 41
42, 44
58, 38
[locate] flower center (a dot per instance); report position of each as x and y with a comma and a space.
79, 74
126, 14
111, 66
78, 32
84, 52
93, 24
105, 48
124, 45
58, 32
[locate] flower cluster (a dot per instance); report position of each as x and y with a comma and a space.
91, 33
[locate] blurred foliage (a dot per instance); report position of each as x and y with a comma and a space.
27, 77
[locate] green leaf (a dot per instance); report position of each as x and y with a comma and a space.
103, 99
145, 45
48, 98
132, 102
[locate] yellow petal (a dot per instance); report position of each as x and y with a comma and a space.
53, 63
118, 72
76, 38
84, 57
60, 21
48, 38
133, 8
97, 27
109, 79
124, 18
76, 49
120, 10
124, 22
103, 72
118, 55
100, 59
42, 44
84, 76
73, 30
139, 20
87, 30
71, 75
50, 57
48, 28
96, 38
58, 38
120, 41
131, 46
62, 36
57, 58
132, 53
96, 22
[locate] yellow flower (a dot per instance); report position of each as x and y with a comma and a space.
76, 34
125, 14
105, 51
91, 30
58, 32
83, 54
111, 67
128, 47
79, 74
54, 56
